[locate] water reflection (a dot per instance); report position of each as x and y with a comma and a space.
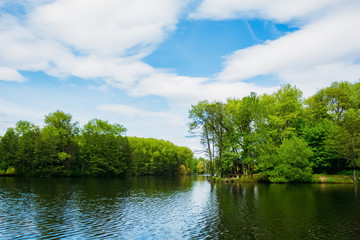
186, 207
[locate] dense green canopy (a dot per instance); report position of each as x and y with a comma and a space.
283, 136
61, 148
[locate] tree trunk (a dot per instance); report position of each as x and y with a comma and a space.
354, 173
352, 155
209, 152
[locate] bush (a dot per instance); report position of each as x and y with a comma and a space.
10, 171
182, 170
291, 163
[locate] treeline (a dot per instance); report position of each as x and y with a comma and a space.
61, 148
283, 136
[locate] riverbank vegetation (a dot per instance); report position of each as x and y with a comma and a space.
61, 148
282, 136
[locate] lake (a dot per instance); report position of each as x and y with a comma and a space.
180, 207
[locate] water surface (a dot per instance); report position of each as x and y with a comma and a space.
187, 207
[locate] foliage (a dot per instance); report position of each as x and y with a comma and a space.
291, 163
105, 152
182, 170
201, 166
157, 157
61, 148
208, 120
10, 171
282, 135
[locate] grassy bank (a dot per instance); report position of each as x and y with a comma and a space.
339, 177
325, 178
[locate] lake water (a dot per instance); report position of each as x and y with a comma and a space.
187, 207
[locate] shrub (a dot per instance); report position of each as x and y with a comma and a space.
182, 170
291, 163
10, 171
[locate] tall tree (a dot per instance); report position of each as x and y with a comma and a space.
104, 149
340, 103
25, 157
243, 118
209, 119
58, 147
200, 126
9, 147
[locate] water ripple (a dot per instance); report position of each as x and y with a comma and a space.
173, 208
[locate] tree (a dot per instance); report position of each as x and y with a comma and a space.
315, 134
200, 124
25, 156
105, 151
9, 147
58, 148
209, 119
158, 157
291, 163
243, 118
340, 103
284, 113
201, 166
343, 141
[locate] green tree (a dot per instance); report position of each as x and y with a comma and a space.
209, 119
201, 166
243, 118
200, 126
315, 134
291, 162
9, 147
284, 113
158, 157
25, 156
105, 152
57, 149
339, 103
343, 142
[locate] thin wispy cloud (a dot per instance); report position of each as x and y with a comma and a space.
323, 50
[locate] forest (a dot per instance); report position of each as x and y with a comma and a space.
61, 148
282, 136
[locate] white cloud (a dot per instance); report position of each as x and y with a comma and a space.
87, 39
148, 124
319, 53
10, 111
183, 91
278, 10
107, 39
135, 113
108, 27
9, 74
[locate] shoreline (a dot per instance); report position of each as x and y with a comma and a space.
315, 178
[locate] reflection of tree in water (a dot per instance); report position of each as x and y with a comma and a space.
67, 207
175, 207
285, 211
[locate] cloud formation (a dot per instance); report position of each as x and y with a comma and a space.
326, 47
107, 40
136, 113
277, 10
86, 38
9, 74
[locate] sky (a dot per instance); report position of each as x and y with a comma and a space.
143, 63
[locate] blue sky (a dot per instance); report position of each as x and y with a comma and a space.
143, 63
